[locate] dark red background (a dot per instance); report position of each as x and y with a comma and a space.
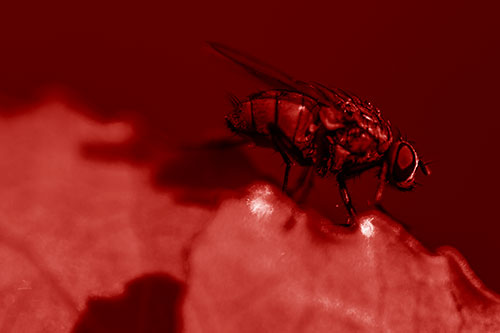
431, 67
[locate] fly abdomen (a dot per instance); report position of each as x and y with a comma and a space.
291, 112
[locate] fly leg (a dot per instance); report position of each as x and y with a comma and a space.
304, 184
287, 150
287, 161
382, 181
346, 198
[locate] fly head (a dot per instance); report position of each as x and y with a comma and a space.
403, 163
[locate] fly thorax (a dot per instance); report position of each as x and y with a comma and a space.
331, 118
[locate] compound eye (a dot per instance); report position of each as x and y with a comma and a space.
404, 164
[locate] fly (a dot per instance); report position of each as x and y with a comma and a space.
329, 129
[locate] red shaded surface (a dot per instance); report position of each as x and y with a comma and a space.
91, 246
432, 68
256, 273
73, 229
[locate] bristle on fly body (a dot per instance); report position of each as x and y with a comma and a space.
235, 102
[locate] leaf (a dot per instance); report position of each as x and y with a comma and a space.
96, 246
264, 266
73, 228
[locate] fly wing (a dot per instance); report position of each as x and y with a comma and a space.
270, 75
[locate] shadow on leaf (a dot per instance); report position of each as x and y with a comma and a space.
148, 304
